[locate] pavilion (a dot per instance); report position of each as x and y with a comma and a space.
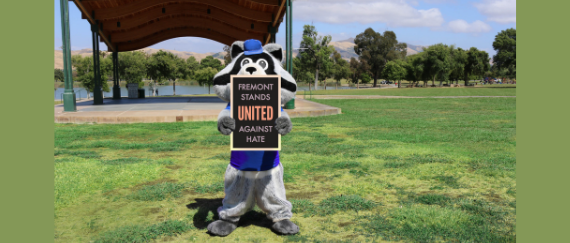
127, 25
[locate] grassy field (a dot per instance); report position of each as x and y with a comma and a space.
495, 90
385, 170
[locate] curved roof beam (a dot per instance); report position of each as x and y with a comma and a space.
266, 2
175, 33
185, 9
138, 6
172, 23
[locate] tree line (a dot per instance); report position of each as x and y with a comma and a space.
381, 56
134, 66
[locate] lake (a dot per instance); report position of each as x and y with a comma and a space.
81, 93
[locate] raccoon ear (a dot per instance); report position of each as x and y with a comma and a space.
275, 50
236, 49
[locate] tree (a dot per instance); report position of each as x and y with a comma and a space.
192, 66
365, 78
355, 71
477, 63
415, 67
58, 75
395, 70
212, 62
180, 71
85, 74
459, 63
300, 72
377, 50
132, 66
228, 56
315, 51
161, 66
206, 76
506, 46
326, 71
341, 69
437, 61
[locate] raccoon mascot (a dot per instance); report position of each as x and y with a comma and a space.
254, 176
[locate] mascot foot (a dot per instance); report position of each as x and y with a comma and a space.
286, 227
221, 227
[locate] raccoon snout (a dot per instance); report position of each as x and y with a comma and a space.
250, 70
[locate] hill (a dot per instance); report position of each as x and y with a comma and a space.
344, 47
58, 55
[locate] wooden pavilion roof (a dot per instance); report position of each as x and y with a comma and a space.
126, 25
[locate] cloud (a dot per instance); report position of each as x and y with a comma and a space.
392, 12
500, 11
461, 26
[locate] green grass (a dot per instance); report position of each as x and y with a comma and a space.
409, 170
158, 192
139, 233
492, 90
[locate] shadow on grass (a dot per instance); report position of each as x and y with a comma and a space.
205, 206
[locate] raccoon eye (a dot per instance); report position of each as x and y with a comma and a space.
262, 63
245, 61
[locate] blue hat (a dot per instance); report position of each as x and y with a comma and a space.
252, 47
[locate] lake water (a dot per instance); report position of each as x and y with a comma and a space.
163, 90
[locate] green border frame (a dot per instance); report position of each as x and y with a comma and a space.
542, 122
27, 169
27, 122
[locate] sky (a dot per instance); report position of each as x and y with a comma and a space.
464, 24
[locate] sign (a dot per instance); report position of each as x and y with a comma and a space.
255, 105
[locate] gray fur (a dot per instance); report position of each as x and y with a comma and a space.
223, 91
283, 125
285, 227
226, 125
244, 188
221, 227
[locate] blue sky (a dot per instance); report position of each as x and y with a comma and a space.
419, 22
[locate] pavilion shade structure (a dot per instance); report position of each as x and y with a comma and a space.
127, 25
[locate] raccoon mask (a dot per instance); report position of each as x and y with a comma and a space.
262, 62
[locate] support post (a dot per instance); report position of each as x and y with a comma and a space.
288, 36
272, 30
116, 87
69, 104
97, 94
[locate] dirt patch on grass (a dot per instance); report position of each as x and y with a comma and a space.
343, 224
150, 183
319, 178
149, 211
174, 167
493, 197
302, 195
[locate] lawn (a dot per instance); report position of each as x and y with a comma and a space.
409, 170
488, 90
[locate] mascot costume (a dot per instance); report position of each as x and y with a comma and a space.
254, 176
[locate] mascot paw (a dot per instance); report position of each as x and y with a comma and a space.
286, 227
226, 125
221, 227
283, 125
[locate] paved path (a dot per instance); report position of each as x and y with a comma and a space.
168, 109
326, 97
